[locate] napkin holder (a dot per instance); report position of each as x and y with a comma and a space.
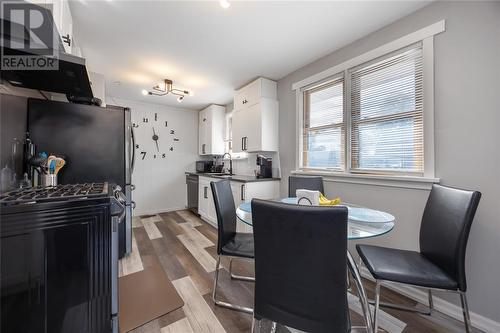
307, 197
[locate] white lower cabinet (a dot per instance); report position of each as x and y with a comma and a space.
206, 206
242, 192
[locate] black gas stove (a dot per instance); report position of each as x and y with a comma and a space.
51, 240
56, 193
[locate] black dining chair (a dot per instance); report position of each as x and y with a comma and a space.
440, 264
313, 183
230, 243
300, 266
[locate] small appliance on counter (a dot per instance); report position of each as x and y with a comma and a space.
265, 167
204, 166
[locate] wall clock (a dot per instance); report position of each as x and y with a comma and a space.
155, 138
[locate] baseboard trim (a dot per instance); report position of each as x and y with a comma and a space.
153, 212
212, 223
445, 307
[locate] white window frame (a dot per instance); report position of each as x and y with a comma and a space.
426, 37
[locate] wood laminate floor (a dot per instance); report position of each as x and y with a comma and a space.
185, 247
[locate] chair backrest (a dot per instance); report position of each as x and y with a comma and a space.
300, 265
304, 182
226, 212
445, 228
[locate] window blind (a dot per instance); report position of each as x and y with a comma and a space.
324, 127
387, 113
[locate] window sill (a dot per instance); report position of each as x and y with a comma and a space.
411, 182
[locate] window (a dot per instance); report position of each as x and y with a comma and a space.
386, 114
381, 101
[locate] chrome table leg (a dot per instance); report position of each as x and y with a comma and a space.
353, 268
377, 301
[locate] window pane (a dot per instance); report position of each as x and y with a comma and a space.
388, 145
388, 91
326, 106
324, 149
387, 113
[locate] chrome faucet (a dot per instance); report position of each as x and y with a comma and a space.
230, 162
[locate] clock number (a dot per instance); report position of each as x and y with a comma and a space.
135, 125
163, 155
145, 120
166, 123
143, 153
156, 116
136, 146
172, 132
154, 156
171, 148
175, 139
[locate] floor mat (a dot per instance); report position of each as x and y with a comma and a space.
145, 296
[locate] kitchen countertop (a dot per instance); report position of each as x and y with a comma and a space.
236, 178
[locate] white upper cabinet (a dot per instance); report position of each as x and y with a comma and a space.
63, 20
255, 117
212, 121
253, 92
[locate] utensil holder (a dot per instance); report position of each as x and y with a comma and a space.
49, 180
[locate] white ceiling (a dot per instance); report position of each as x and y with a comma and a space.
211, 50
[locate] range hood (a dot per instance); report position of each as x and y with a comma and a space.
70, 78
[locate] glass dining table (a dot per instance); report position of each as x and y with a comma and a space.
362, 223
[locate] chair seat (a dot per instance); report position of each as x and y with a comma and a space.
403, 266
240, 246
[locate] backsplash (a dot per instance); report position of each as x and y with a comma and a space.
248, 165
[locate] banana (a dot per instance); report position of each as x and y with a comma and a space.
323, 201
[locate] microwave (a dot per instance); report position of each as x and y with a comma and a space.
204, 166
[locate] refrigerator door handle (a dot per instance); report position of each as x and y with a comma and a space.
132, 164
114, 264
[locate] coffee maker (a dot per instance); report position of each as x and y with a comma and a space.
265, 167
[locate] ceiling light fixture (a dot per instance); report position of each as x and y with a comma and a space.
225, 4
166, 87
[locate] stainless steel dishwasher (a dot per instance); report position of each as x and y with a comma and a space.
192, 192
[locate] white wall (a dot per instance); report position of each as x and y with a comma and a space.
160, 182
467, 154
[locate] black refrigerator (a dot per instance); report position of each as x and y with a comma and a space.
97, 144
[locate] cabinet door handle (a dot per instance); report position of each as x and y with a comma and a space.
242, 143
245, 143
203, 148
66, 39
230, 145
243, 192
205, 194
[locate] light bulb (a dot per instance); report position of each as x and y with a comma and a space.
225, 4
191, 93
145, 92
180, 98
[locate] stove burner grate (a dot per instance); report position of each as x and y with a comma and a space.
60, 192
